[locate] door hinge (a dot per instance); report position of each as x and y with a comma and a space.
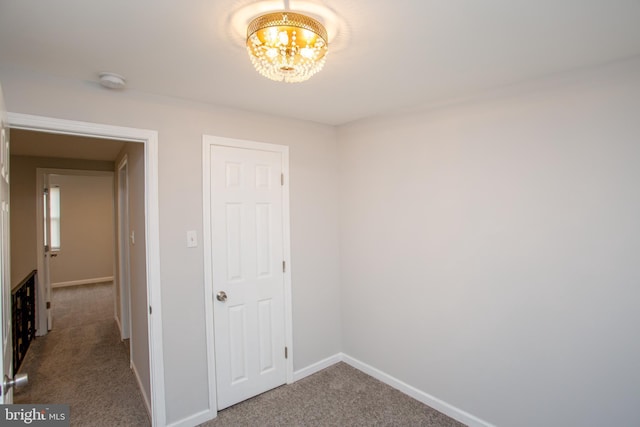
286, 353
150, 310
284, 266
48, 305
281, 179
46, 191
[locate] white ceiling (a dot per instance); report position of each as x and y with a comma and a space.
387, 55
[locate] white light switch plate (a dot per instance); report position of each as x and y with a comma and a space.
192, 239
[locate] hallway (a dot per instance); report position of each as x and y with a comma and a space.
82, 362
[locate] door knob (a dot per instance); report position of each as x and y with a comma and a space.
221, 296
18, 381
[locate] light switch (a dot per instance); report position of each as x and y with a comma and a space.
133, 237
192, 239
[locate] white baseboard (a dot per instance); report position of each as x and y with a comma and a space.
429, 400
316, 367
419, 395
194, 419
145, 398
82, 282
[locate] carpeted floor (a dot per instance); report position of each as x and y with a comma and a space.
337, 396
83, 363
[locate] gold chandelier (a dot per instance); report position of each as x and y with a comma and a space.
287, 46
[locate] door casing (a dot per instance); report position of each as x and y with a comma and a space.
122, 241
207, 142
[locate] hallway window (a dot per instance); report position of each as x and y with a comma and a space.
54, 215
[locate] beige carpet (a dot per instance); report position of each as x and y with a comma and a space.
83, 363
337, 396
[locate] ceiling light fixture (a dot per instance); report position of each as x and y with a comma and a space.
287, 46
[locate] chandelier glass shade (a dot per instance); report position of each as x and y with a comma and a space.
287, 46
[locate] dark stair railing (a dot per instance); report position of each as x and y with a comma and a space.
23, 307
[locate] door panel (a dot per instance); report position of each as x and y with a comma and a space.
234, 245
265, 332
6, 352
247, 255
237, 340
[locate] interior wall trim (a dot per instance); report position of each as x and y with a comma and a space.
193, 420
317, 367
421, 396
92, 281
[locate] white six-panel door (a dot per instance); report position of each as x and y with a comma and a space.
6, 347
247, 272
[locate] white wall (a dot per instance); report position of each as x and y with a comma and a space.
86, 228
490, 252
315, 275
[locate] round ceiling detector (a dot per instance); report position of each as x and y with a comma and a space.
112, 80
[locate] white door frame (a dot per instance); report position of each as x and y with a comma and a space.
207, 142
152, 230
122, 239
44, 316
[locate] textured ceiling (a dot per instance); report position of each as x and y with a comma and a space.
385, 56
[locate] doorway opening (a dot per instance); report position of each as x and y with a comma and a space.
146, 143
86, 226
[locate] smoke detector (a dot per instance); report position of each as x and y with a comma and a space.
112, 80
